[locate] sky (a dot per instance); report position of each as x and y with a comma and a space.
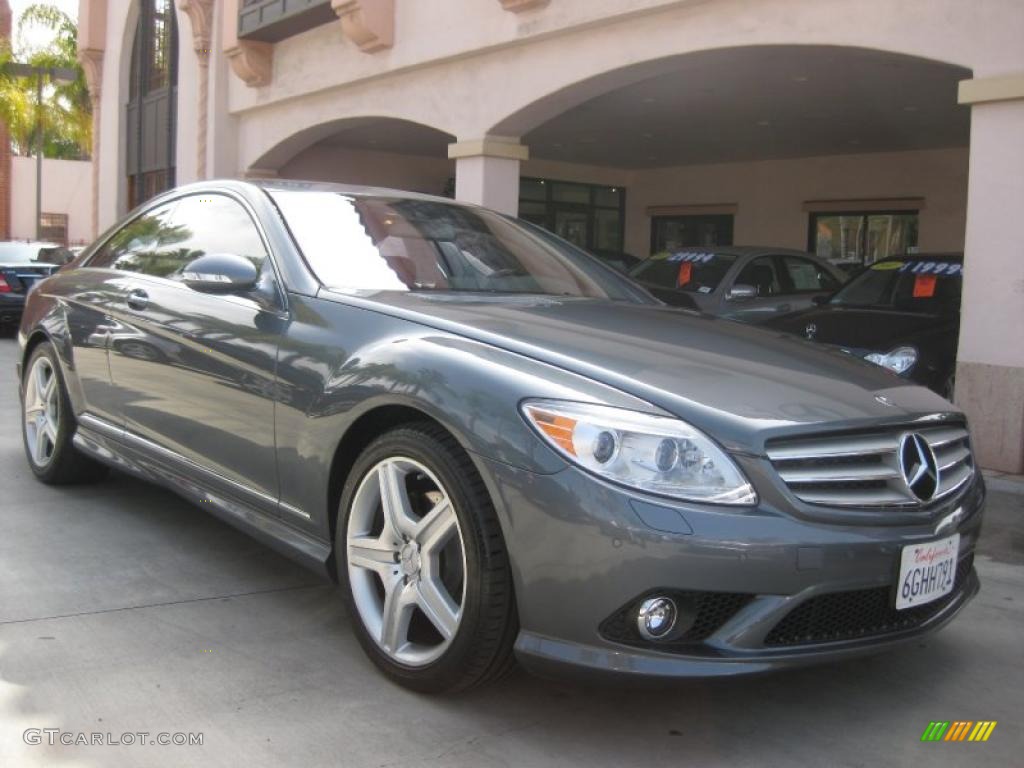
70, 7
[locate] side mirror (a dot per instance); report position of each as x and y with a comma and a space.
741, 292
822, 298
220, 273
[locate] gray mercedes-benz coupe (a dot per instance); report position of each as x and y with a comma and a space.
498, 446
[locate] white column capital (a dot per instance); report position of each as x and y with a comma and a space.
522, 5
985, 89
507, 147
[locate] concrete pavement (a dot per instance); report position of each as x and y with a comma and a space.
124, 609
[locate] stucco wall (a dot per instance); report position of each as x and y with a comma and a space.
67, 188
379, 169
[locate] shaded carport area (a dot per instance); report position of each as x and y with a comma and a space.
772, 138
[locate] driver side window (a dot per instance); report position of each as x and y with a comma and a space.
162, 241
140, 245
761, 274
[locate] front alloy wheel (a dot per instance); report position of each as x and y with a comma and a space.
422, 563
406, 561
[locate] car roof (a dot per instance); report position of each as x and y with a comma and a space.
31, 243
355, 190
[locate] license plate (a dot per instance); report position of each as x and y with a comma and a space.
927, 572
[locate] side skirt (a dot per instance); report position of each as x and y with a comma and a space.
294, 544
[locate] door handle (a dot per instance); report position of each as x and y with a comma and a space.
784, 307
137, 299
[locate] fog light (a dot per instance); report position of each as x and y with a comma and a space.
656, 618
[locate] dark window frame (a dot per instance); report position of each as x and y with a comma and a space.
787, 278
146, 181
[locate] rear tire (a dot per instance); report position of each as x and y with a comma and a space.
48, 424
443, 547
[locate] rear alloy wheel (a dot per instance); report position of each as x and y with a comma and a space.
422, 563
48, 423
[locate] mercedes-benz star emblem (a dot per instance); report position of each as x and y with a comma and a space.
811, 330
918, 465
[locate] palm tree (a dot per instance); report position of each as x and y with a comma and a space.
67, 131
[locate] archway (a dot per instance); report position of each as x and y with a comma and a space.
367, 151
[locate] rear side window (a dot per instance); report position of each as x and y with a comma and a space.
807, 277
162, 241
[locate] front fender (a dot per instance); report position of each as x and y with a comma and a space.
340, 362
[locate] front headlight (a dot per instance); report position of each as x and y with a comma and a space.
899, 360
650, 453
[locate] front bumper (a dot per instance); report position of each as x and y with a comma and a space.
585, 552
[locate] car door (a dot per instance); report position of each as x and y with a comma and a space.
804, 279
763, 273
195, 372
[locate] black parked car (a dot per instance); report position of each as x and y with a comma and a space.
22, 264
902, 313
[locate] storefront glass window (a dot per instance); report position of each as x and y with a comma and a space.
859, 239
588, 215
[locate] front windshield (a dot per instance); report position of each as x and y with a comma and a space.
18, 253
915, 286
690, 271
369, 243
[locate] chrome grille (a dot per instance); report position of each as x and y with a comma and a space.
863, 469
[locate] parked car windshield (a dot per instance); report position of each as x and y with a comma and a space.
914, 285
690, 271
370, 243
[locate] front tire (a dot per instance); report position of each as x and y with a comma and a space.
422, 563
48, 423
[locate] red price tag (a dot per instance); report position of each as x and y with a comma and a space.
685, 271
924, 286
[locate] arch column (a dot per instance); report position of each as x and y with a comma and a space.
487, 171
200, 15
990, 364
92, 43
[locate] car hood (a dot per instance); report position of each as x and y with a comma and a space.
740, 383
858, 327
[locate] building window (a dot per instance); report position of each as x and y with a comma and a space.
863, 237
150, 112
53, 228
671, 233
588, 215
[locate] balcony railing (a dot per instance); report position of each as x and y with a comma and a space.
273, 20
